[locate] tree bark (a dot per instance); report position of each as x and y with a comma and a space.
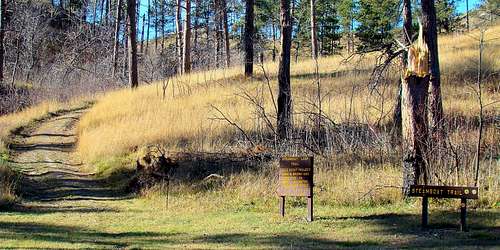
274, 42
149, 24
94, 16
132, 44
196, 27
186, 58
314, 40
218, 32
142, 32
155, 3
3, 6
117, 36
415, 84
407, 34
414, 130
226, 33
435, 101
249, 30
285, 96
178, 25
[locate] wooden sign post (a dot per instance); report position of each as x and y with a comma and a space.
462, 193
296, 179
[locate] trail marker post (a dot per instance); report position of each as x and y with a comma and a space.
296, 179
462, 193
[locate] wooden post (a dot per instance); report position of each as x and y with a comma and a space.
463, 215
310, 208
282, 206
425, 212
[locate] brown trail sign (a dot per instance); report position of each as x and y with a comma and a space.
462, 193
296, 179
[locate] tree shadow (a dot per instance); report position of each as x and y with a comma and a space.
36, 209
57, 147
195, 167
443, 229
69, 187
273, 241
44, 232
333, 74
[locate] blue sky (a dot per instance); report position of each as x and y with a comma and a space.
461, 5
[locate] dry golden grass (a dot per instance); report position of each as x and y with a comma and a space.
7, 186
125, 119
15, 120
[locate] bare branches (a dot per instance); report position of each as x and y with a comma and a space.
224, 117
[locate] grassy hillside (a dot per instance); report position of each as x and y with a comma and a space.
188, 116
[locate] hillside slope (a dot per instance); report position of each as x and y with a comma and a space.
182, 119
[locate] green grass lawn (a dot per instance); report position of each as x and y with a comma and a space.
146, 223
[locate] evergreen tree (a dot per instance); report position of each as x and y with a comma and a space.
446, 15
376, 19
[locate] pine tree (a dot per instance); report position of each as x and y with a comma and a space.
376, 19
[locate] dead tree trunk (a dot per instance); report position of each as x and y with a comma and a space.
415, 85
186, 57
132, 45
117, 36
285, 95
407, 34
249, 30
226, 32
3, 6
435, 101
314, 40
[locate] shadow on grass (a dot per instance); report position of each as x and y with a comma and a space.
273, 241
58, 234
50, 209
333, 74
443, 230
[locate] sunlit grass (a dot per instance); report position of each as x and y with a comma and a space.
126, 119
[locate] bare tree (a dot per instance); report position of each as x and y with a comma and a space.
132, 45
285, 94
314, 40
435, 101
117, 36
186, 56
249, 30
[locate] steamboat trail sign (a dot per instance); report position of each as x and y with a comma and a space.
462, 193
296, 179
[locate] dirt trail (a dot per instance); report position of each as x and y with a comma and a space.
44, 153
